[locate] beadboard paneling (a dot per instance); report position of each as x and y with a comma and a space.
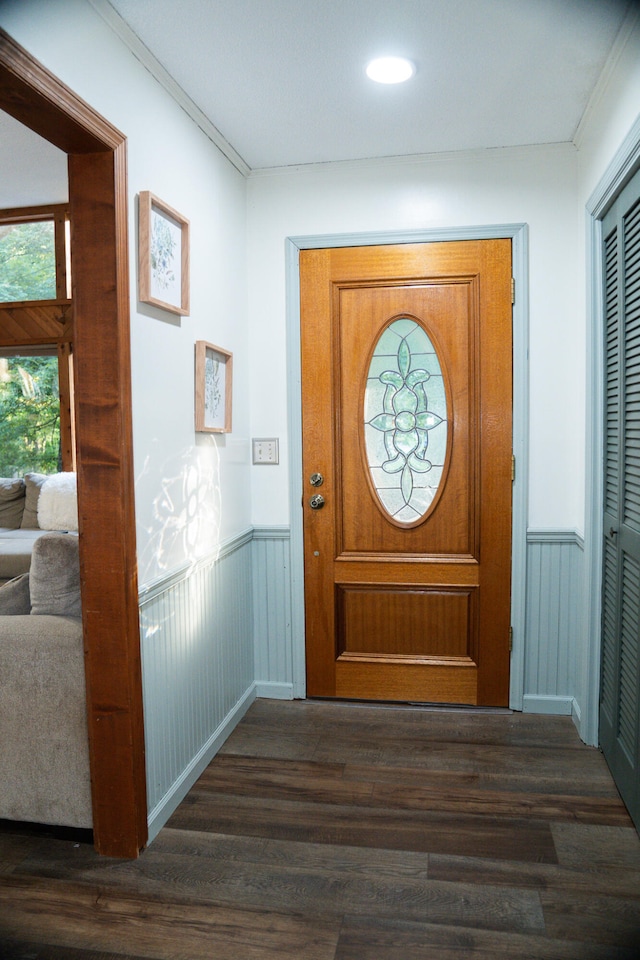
218, 634
553, 628
198, 669
554, 621
272, 612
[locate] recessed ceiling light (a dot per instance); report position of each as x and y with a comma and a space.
390, 70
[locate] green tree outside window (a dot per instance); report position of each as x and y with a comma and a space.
29, 416
27, 261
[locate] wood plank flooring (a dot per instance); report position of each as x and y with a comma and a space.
337, 831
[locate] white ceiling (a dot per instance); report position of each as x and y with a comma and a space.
283, 80
32, 171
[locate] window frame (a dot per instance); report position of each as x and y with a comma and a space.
59, 214
35, 324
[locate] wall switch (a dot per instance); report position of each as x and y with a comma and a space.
265, 450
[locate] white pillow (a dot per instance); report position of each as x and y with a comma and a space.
58, 503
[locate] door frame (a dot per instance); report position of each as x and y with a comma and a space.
622, 167
519, 235
97, 163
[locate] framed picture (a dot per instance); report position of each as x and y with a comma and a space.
163, 255
214, 368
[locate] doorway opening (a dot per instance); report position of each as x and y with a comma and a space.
102, 408
518, 234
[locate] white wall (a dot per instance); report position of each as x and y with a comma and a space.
192, 491
613, 109
34, 172
177, 470
536, 185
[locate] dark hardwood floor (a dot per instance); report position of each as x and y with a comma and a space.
331, 831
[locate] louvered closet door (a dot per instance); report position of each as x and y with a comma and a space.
620, 684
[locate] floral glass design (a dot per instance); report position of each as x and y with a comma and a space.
405, 421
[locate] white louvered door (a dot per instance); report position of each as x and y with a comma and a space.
620, 678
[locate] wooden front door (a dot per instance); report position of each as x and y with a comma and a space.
407, 441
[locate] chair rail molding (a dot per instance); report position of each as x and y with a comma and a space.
197, 643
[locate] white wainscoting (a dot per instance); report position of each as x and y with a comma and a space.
272, 613
219, 633
553, 628
197, 669
555, 622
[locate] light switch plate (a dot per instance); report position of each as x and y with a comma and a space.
265, 450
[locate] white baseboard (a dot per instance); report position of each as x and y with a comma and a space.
271, 690
171, 800
576, 713
551, 706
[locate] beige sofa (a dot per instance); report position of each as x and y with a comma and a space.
44, 752
19, 521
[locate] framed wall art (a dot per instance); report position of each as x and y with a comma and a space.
163, 255
214, 369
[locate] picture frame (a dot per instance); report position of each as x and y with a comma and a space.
213, 388
163, 255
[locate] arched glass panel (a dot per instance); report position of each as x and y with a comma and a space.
405, 421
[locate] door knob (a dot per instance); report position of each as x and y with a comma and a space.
316, 502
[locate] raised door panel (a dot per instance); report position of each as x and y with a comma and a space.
406, 356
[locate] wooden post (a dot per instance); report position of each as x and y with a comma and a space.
98, 202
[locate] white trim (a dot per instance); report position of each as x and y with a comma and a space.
271, 690
551, 706
155, 587
271, 533
548, 535
480, 155
142, 53
617, 175
622, 167
624, 34
178, 791
576, 714
518, 233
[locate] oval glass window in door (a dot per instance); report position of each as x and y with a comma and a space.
405, 421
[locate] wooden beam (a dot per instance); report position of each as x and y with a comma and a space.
105, 499
37, 322
35, 97
63, 280
67, 408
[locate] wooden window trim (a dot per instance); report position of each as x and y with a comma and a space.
59, 214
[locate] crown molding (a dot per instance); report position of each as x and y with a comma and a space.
619, 45
478, 155
142, 53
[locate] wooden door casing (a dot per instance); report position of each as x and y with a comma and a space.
418, 612
101, 337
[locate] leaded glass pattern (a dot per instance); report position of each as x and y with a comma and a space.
405, 421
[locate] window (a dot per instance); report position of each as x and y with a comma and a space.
27, 261
30, 413
34, 254
36, 341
